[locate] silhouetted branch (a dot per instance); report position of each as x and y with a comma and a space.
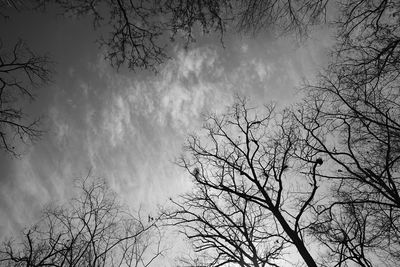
243, 209
21, 71
137, 31
352, 115
94, 230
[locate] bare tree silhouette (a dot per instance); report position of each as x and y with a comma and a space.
248, 206
355, 124
21, 71
94, 230
352, 115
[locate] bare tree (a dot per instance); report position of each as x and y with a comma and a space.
352, 115
21, 71
255, 182
94, 230
356, 126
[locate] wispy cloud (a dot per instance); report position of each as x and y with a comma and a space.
128, 128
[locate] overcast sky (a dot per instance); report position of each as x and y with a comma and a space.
128, 127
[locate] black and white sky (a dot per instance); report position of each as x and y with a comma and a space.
128, 127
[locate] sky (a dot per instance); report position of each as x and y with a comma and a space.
128, 127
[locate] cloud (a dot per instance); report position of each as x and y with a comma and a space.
263, 70
128, 128
60, 128
117, 119
186, 85
133, 128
